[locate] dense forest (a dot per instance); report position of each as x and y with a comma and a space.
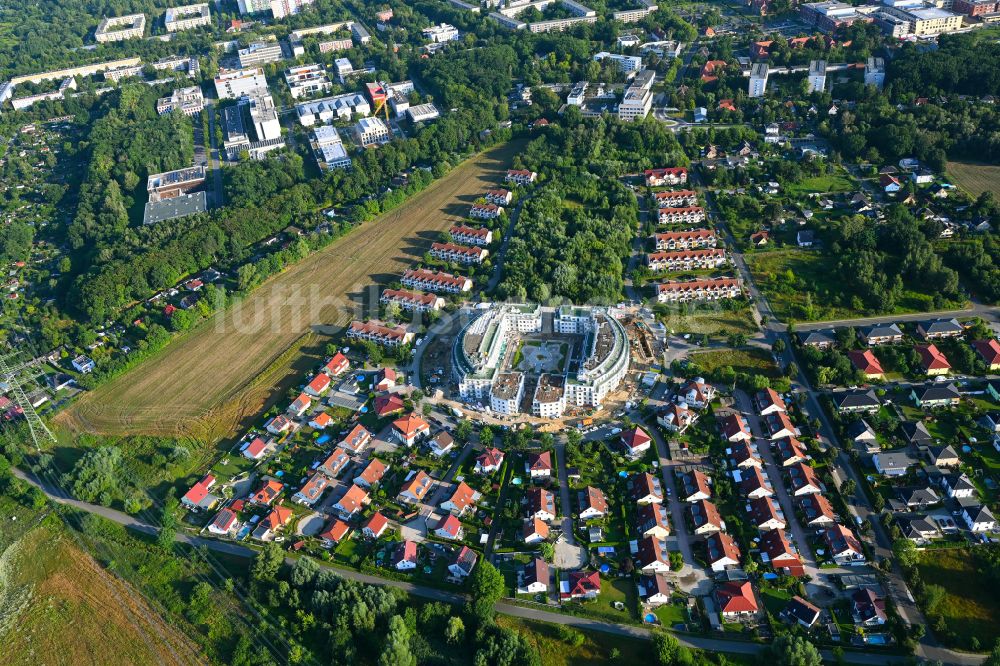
572, 237
966, 64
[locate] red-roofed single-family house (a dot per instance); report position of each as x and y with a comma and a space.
410, 428
636, 442
318, 385
489, 461
199, 497
337, 365
736, 600
375, 526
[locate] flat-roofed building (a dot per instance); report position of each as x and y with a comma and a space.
422, 113
307, 80
329, 148
120, 28
626, 63
264, 116
817, 75
439, 34
332, 45
235, 83
188, 101
372, 131
187, 17
875, 72
260, 53
758, 79
638, 98
171, 184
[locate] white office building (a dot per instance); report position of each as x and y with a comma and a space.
329, 148
260, 53
638, 99
422, 113
264, 116
235, 83
343, 68
371, 131
307, 80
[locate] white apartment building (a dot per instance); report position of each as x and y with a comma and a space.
549, 400
817, 75
188, 101
279, 8
307, 80
260, 53
485, 211
758, 79
626, 63
684, 240
686, 215
685, 260
372, 131
120, 28
436, 281
329, 148
187, 17
235, 83
578, 94
676, 199
460, 254
412, 300
325, 110
507, 392
711, 289
439, 34
471, 235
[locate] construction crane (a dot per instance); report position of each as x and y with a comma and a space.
15, 374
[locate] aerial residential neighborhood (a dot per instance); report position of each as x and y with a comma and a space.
509, 332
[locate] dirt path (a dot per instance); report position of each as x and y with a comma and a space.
209, 382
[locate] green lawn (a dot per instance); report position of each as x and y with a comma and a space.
775, 599
671, 614
711, 321
971, 607
752, 360
821, 184
602, 608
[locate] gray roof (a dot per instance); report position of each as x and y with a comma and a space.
939, 326
946, 452
916, 526
819, 336
856, 398
881, 331
979, 514
932, 393
920, 496
169, 209
900, 459
915, 432
860, 429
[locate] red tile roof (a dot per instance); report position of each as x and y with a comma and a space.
736, 597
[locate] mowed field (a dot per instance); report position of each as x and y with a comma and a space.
67, 610
975, 178
208, 383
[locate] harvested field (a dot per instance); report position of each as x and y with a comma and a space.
214, 379
975, 178
70, 611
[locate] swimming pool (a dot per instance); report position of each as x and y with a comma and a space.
877, 639
650, 618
